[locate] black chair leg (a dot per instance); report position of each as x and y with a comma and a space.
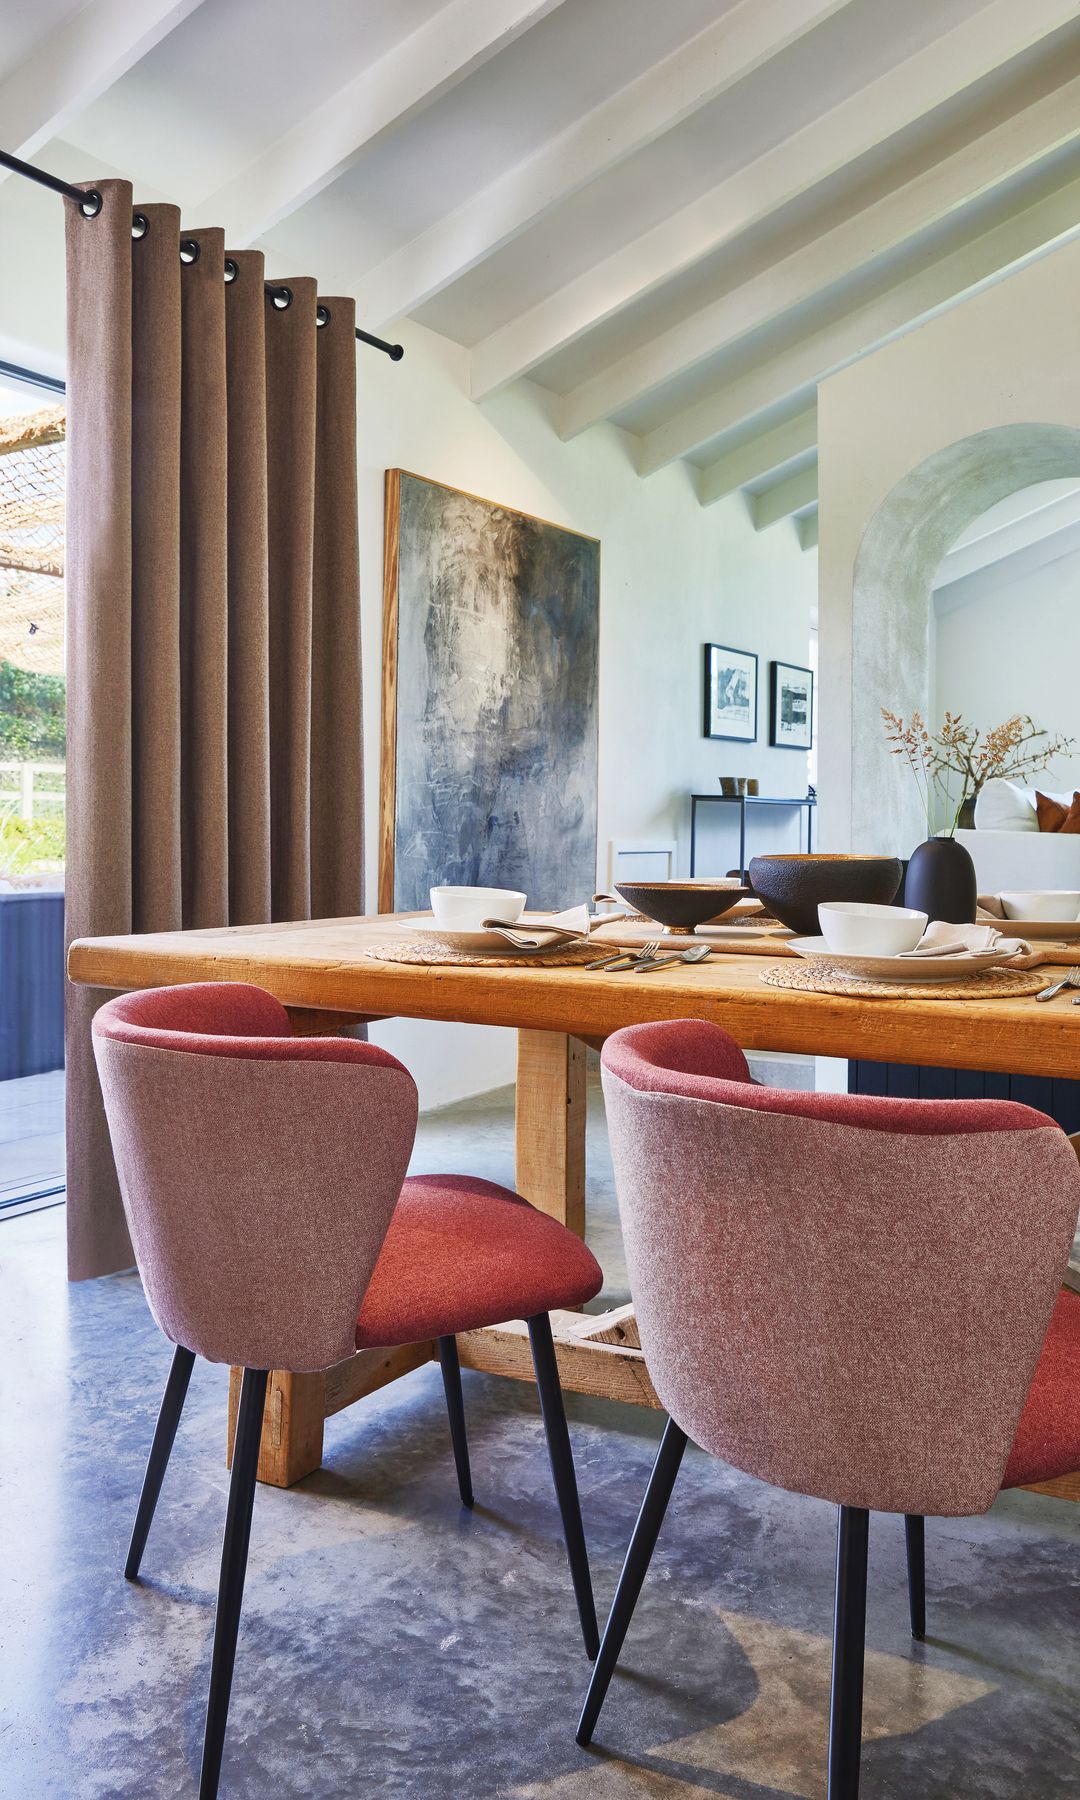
915, 1531
234, 1555
562, 1468
172, 1405
849, 1640
634, 1570
455, 1407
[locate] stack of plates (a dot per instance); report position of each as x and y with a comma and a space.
897, 968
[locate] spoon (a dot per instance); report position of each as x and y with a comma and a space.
696, 953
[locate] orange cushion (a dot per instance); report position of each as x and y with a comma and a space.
1047, 1443
1053, 816
461, 1253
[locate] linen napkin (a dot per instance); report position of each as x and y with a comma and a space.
542, 931
942, 939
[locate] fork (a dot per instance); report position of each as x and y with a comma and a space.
696, 953
629, 959
1072, 979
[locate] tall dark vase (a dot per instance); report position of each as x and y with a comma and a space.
941, 881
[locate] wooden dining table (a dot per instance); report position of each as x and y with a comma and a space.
323, 973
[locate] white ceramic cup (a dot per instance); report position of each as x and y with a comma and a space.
859, 929
1042, 903
466, 908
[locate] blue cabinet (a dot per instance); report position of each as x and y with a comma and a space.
31, 983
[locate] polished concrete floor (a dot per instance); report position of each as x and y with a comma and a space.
31, 1138
393, 1645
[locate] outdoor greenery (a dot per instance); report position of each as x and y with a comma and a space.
30, 847
32, 716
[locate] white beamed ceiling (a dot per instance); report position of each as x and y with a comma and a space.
676, 218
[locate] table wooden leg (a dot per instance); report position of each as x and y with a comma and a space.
550, 1126
292, 1436
296, 1406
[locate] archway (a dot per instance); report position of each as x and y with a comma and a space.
898, 555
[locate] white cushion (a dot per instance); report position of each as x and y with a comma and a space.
1004, 806
1023, 859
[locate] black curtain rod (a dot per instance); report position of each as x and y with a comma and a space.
89, 202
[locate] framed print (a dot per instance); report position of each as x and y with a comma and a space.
791, 710
490, 702
730, 693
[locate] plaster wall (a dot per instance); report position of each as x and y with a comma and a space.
915, 441
1005, 641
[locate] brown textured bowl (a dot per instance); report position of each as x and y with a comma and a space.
680, 906
793, 887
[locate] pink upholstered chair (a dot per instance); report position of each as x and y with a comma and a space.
263, 1180
852, 1298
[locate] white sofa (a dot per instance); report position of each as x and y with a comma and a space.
1009, 850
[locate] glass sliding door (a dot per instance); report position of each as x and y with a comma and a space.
32, 794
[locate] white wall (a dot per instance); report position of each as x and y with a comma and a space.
1006, 640
926, 405
673, 576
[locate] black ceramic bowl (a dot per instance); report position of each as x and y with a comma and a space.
680, 906
793, 887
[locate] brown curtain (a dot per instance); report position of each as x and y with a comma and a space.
213, 636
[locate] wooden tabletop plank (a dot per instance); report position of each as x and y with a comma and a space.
322, 965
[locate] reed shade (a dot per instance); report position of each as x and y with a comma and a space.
213, 624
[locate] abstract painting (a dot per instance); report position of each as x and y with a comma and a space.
730, 693
490, 642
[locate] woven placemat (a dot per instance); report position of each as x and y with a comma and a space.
435, 954
987, 984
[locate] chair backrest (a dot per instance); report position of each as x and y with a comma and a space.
259, 1170
842, 1295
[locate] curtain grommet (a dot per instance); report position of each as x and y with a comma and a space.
190, 251
91, 204
140, 225
322, 314
232, 269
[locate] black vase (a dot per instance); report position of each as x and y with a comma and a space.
941, 881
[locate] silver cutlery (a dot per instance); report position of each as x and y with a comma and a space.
1072, 979
696, 953
629, 959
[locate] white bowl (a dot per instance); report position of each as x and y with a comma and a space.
861, 929
1042, 903
466, 908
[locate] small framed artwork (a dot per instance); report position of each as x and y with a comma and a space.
791, 710
730, 693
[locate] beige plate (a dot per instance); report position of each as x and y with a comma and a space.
911, 969
1068, 930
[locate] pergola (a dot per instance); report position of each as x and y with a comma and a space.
32, 540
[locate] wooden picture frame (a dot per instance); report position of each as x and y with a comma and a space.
791, 706
731, 694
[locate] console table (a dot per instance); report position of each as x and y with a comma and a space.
742, 801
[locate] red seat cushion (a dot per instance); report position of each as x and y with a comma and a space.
1047, 1443
461, 1253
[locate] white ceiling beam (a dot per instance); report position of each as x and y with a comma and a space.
753, 460
785, 497
1023, 528
897, 218
745, 38
77, 62
461, 38
798, 370
807, 528
993, 37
